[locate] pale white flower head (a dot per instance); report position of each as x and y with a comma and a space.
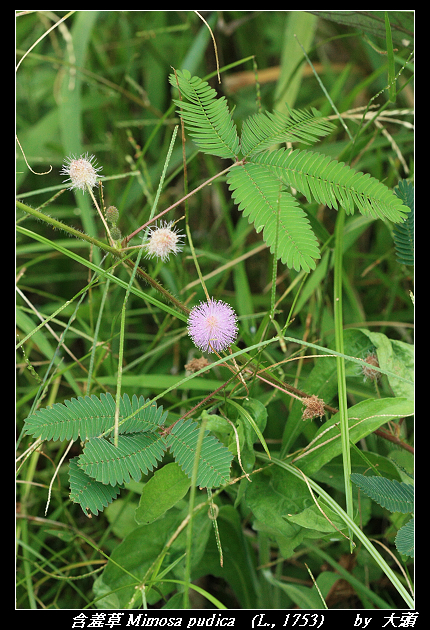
163, 240
82, 172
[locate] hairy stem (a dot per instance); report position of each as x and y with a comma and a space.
106, 248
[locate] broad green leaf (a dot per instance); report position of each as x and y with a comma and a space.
396, 357
131, 559
322, 380
312, 518
302, 596
372, 22
145, 548
120, 515
272, 497
168, 486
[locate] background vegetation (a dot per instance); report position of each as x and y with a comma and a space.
98, 83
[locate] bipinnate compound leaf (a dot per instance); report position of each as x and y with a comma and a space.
136, 454
389, 493
90, 416
333, 183
405, 539
286, 229
214, 460
206, 117
91, 495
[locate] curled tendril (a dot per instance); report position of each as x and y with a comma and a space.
47, 172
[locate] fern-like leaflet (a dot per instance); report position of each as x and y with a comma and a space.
90, 416
332, 183
206, 117
214, 458
403, 233
259, 195
136, 454
394, 496
91, 495
263, 130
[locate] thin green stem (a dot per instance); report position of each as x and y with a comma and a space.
96, 334
133, 274
340, 363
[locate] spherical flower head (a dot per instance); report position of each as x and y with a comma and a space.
163, 240
212, 325
81, 172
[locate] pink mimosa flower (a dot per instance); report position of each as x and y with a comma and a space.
212, 325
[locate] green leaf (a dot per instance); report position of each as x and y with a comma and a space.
272, 497
333, 183
405, 539
263, 130
135, 454
391, 494
214, 461
90, 494
168, 486
372, 22
312, 518
302, 596
206, 117
90, 416
403, 233
260, 196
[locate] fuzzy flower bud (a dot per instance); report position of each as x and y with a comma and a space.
112, 215
163, 240
81, 172
115, 233
212, 325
